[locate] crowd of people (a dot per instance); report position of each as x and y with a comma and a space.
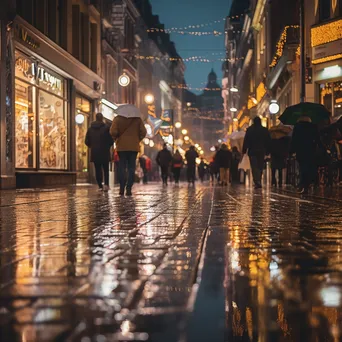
310, 148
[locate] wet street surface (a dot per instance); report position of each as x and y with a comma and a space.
176, 264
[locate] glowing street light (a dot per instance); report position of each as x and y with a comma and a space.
184, 131
79, 119
274, 107
196, 145
186, 138
178, 125
124, 80
233, 109
234, 89
149, 99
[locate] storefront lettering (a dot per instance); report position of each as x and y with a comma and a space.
33, 71
23, 35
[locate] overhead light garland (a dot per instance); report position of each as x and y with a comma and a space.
189, 59
281, 44
326, 33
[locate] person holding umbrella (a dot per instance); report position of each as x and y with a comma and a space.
306, 140
128, 130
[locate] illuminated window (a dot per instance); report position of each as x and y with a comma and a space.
330, 95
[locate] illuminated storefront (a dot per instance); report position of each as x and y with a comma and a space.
326, 43
40, 116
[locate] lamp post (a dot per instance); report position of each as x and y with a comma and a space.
302, 52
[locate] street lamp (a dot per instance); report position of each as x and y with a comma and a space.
196, 145
274, 107
184, 131
178, 125
124, 80
234, 89
188, 104
149, 99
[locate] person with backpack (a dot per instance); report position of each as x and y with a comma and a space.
164, 159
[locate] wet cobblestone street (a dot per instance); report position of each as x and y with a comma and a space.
176, 264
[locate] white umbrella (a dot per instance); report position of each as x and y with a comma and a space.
128, 111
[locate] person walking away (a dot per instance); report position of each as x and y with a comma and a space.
142, 163
234, 169
224, 161
164, 159
177, 164
202, 167
257, 144
99, 140
128, 133
279, 153
191, 155
304, 144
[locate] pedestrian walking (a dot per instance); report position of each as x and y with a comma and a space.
202, 168
128, 133
177, 164
191, 155
99, 140
143, 166
234, 168
279, 153
257, 144
164, 159
224, 161
305, 143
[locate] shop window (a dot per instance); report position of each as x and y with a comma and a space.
52, 132
25, 121
40, 107
331, 97
82, 118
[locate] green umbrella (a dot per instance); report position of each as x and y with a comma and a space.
315, 111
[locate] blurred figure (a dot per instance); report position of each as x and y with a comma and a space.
128, 133
224, 161
143, 165
202, 167
304, 144
99, 140
164, 159
234, 169
191, 155
177, 164
257, 144
279, 153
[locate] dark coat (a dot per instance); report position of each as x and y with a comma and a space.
279, 152
177, 161
164, 158
223, 158
305, 141
99, 140
191, 156
257, 141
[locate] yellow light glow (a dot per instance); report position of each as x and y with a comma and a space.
261, 91
186, 138
327, 59
178, 125
149, 99
184, 131
326, 33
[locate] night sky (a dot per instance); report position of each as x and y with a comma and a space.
180, 13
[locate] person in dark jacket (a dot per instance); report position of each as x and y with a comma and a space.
224, 161
257, 144
202, 168
304, 144
191, 155
177, 164
99, 140
164, 159
234, 169
279, 153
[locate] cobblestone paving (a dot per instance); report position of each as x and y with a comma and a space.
170, 265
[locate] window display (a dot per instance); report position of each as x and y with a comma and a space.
52, 132
25, 120
83, 109
40, 107
330, 95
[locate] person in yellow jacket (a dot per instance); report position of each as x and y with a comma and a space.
127, 133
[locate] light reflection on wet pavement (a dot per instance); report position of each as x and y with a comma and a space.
169, 265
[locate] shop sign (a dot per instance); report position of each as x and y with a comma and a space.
35, 72
326, 50
23, 35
